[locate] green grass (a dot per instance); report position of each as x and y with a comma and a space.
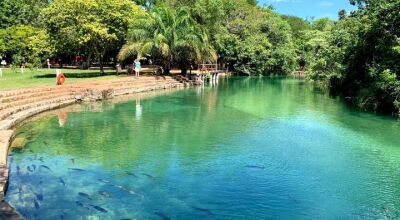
14, 79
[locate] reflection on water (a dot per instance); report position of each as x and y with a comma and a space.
62, 118
266, 148
138, 112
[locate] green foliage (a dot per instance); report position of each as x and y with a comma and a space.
258, 41
26, 44
170, 35
359, 55
20, 12
94, 27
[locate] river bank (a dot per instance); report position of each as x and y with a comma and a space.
21, 104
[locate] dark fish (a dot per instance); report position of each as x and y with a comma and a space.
76, 169
34, 167
37, 206
291, 198
18, 169
79, 204
98, 208
131, 174
29, 169
207, 211
62, 216
39, 197
105, 194
148, 175
255, 167
45, 167
62, 181
162, 215
84, 195
72, 160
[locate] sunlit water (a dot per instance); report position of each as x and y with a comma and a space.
246, 149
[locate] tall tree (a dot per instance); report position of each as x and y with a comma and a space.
92, 26
171, 35
20, 12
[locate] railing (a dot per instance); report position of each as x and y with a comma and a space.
206, 68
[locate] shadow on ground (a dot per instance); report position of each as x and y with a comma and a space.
78, 75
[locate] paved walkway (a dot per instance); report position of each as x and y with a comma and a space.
18, 105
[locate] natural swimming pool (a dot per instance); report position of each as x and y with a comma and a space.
249, 148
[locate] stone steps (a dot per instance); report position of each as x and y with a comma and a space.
7, 113
26, 99
23, 114
34, 98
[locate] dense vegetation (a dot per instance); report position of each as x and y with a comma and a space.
359, 56
356, 56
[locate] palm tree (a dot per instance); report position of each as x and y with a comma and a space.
173, 36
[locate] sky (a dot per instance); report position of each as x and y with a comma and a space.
310, 8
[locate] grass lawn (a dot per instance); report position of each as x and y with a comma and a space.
14, 79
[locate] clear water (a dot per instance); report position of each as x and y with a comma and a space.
253, 148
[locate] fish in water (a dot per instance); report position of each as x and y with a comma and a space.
129, 191
45, 167
34, 167
131, 174
39, 197
204, 210
72, 160
36, 203
18, 169
104, 181
105, 194
62, 181
148, 175
29, 169
291, 198
255, 167
98, 208
84, 195
162, 215
45, 142
79, 204
76, 169
41, 159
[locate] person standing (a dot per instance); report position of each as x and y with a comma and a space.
48, 64
138, 66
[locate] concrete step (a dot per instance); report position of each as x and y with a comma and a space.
8, 113
26, 113
35, 98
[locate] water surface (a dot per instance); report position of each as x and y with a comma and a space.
249, 148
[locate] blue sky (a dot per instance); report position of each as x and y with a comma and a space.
309, 8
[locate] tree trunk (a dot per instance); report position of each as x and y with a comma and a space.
88, 60
101, 65
167, 67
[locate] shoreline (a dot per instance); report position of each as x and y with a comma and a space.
20, 105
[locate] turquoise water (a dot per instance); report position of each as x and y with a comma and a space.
249, 148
